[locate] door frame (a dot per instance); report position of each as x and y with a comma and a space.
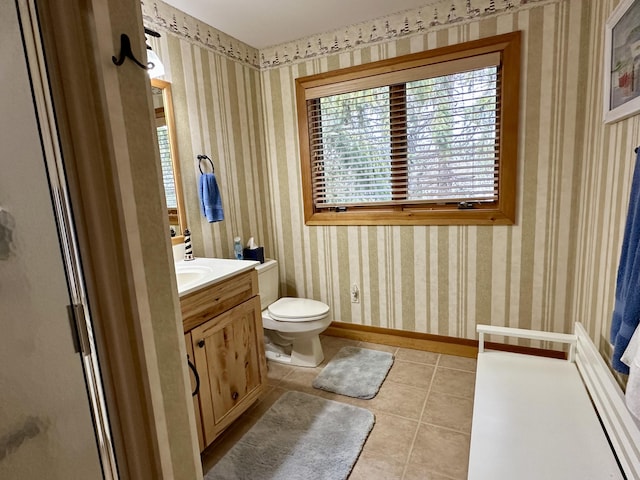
78, 308
103, 137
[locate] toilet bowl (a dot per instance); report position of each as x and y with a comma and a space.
292, 326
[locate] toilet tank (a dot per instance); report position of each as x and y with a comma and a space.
268, 282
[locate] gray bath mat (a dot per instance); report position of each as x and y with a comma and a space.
301, 437
355, 372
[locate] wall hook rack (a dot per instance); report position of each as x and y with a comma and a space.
125, 52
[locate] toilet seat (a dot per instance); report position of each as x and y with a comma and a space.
289, 309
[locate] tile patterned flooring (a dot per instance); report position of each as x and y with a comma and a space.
423, 414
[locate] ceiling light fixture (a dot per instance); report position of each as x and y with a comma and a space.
155, 68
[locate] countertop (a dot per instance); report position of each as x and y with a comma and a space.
192, 275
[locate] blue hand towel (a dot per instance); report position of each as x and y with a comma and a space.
626, 313
210, 198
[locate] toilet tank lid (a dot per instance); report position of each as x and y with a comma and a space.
291, 309
268, 264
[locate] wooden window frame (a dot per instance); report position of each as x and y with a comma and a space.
502, 212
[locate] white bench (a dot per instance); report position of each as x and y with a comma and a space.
541, 418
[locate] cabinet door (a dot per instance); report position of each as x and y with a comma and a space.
229, 354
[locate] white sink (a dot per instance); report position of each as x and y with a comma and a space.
187, 274
194, 274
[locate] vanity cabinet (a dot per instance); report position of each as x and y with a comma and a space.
223, 324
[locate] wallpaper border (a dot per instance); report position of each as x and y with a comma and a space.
405, 24
164, 17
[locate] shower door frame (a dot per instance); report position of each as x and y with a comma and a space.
79, 37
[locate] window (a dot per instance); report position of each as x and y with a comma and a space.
167, 167
424, 139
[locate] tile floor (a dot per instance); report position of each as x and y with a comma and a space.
423, 414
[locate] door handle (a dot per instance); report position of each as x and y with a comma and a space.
195, 374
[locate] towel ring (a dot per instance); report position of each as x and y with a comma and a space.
204, 157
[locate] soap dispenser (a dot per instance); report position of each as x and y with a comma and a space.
237, 248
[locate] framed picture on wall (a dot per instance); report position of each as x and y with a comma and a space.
622, 62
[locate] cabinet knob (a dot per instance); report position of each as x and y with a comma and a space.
201, 343
234, 395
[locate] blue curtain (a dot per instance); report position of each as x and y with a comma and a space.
626, 313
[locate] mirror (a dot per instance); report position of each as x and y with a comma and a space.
163, 107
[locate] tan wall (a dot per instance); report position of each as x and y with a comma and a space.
445, 280
555, 266
218, 112
158, 312
607, 163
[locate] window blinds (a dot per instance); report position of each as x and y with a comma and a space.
428, 140
167, 167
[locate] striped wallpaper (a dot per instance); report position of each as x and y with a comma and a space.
607, 159
555, 266
218, 112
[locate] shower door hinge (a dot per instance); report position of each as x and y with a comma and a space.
79, 330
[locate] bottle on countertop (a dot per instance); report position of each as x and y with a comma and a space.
237, 248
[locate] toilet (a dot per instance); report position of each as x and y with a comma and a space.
292, 326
